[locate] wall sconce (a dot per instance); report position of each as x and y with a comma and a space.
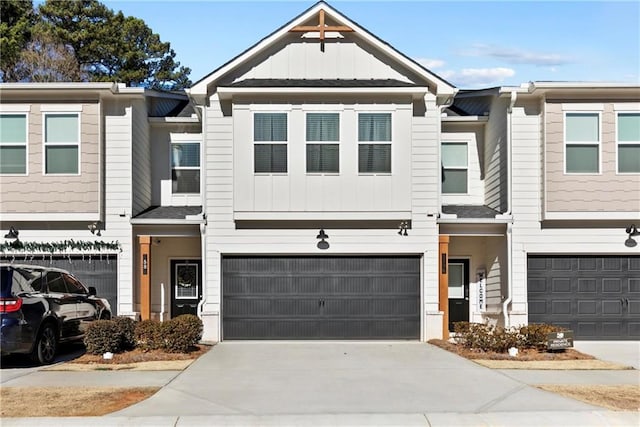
12, 234
94, 229
322, 244
632, 230
403, 228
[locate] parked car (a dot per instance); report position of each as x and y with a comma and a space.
41, 307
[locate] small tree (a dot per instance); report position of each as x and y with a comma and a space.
47, 60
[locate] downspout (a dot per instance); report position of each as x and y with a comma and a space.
507, 300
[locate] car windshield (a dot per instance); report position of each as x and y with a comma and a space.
14, 280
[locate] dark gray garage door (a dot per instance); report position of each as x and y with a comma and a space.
98, 271
598, 297
321, 297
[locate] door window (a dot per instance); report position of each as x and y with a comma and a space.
456, 280
55, 283
186, 281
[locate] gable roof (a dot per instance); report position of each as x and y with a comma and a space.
442, 86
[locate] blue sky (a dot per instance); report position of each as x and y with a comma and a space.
470, 43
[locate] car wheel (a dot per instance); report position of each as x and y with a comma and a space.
46, 345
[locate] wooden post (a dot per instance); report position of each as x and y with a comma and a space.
145, 277
443, 284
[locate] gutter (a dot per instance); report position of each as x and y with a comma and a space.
507, 300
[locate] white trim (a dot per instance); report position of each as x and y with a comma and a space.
45, 144
565, 142
618, 142
416, 92
25, 113
602, 215
52, 216
174, 287
161, 221
465, 119
626, 107
315, 215
578, 108
15, 108
61, 108
455, 139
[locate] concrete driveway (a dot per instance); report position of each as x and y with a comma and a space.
265, 378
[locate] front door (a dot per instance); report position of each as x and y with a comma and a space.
458, 291
186, 286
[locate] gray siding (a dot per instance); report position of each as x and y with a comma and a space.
495, 160
141, 158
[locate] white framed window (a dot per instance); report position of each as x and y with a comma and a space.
374, 142
270, 136
186, 286
582, 142
628, 142
323, 137
455, 167
13, 143
61, 143
185, 167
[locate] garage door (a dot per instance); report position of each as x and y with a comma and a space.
98, 271
321, 297
598, 297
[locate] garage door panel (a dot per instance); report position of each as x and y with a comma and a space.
332, 297
595, 296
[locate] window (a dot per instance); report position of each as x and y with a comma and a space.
323, 157
62, 143
628, 142
582, 143
375, 155
13, 144
55, 283
456, 280
185, 167
270, 129
454, 167
186, 281
74, 286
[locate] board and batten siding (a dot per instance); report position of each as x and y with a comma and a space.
495, 157
37, 193
606, 191
347, 58
141, 158
118, 119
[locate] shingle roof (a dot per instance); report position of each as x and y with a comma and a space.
169, 212
470, 211
258, 83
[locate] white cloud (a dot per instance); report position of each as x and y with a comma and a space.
518, 56
472, 77
430, 63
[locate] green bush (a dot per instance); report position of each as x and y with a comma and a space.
148, 335
181, 333
535, 334
102, 336
126, 332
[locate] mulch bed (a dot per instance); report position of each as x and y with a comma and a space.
138, 355
530, 354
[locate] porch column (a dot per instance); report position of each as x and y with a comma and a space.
145, 276
443, 283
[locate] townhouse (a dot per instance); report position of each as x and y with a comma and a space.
322, 185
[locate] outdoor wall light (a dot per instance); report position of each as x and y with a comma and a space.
403, 228
322, 244
12, 234
94, 229
632, 230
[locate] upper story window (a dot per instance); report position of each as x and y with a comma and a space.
13, 144
323, 135
185, 167
628, 142
455, 167
374, 147
582, 142
270, 142
62, 143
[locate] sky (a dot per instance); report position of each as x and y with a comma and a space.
472, 44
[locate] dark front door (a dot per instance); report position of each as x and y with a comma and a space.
458, 291
321, 297
186, 286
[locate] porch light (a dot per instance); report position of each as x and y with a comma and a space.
94, 229
403, 228
322, 244
632, 230
12, 234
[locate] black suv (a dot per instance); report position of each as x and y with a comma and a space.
41, 307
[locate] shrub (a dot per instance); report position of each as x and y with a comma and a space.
102, 336
126, 332
148, 335
478, 336
181, 333
535, 335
